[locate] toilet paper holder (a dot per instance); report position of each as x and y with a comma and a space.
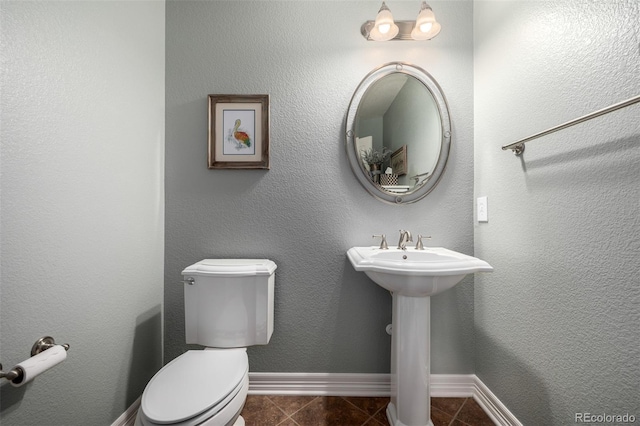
41, 345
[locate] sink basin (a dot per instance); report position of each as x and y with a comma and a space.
412, 272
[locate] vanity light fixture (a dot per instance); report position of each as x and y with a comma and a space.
384, 28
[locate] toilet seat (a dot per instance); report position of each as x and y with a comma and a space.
195, 386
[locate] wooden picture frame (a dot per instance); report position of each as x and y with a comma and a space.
238, 132
399, 161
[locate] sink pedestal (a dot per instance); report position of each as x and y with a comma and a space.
410, 362
412, 276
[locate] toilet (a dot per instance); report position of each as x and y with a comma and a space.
228, 306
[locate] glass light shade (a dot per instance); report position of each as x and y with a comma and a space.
426, 25
384, 28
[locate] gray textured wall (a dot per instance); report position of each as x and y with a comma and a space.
309, 209
557, 323
82, 194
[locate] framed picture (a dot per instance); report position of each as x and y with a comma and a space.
239, 131
399, 161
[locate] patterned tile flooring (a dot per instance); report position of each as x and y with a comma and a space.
276, 410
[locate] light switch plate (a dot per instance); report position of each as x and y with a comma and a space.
482, 209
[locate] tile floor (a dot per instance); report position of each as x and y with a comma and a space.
276, 410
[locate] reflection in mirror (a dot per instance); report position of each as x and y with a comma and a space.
398, 133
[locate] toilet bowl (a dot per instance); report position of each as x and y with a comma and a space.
200, 387
228, 306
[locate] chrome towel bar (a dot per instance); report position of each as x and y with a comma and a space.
518, 146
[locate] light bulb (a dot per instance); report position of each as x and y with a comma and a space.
384, 27
426, 26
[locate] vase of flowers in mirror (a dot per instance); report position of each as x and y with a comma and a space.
375, 159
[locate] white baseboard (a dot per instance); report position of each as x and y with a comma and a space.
452, 385
128, 418
336, 384
490, 403
339, 384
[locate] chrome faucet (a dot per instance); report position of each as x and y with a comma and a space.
405, 237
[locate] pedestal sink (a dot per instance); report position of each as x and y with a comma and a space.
413, 276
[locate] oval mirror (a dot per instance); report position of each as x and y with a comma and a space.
398, 133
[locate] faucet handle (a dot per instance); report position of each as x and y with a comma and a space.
383, 241
419, 245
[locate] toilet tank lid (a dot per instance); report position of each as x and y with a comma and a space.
231, 267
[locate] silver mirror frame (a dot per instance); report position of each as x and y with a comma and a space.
354, 160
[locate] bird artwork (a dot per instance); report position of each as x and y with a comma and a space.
239, 137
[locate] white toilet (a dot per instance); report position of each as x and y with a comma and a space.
228, 306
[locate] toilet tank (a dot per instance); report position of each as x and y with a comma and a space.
228, 303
